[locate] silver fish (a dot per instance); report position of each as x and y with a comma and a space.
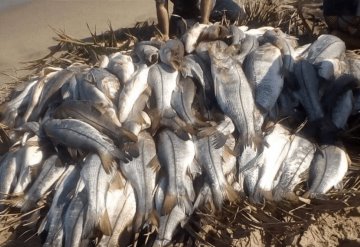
175, 155
132, 90
141, 173
50, 173
9, 169
263, 68
190, 38
278, 142
168, 225
121, 65
297, 162
76, 134
327, 169
308, 93
210, 159
90, 92
234, 94
97, 183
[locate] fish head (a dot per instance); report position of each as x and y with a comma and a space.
172, 53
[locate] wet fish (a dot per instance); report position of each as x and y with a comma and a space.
327, 169
141, 173
175, 155
97, 182
9, 169
274, 154
297, 163
79, 135
234, 94
263, 68
132, 90
90, 92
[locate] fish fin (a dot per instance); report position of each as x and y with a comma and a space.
182, 134
132, 149
238, 149
154, 218
339, 186
107, 162
73, 153
154, 164
104, 224
117, 182
231, 194
155, 118
169, 203
17, 201
207, 131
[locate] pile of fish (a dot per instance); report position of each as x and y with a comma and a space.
141, 141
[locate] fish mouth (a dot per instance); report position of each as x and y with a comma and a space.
176, 63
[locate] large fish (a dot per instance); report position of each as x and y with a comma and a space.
176, 156
190, 38
297, 162
210, 159
234, 94
327, 169
79, 135
147, 52
90, 92
263, 69
278, 144
132, 90
98, 116
97, 183
121, 65
171, 53
248, 44
141, 173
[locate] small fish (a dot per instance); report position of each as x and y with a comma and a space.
79, 135
327, 170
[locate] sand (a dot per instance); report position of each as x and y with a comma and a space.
25, 25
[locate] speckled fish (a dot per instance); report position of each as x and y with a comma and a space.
98, 116
76, 134
121, 65
141, 173
263, 68
297, 162
191, 36
210, 159
278, 144
327, 170
171, 53
97, 183
308, 93
234, 94
175, 155
132, 90
168, 225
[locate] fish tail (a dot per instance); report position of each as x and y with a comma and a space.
218, 138
124, 133
104, 224
169, 203
106, 161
